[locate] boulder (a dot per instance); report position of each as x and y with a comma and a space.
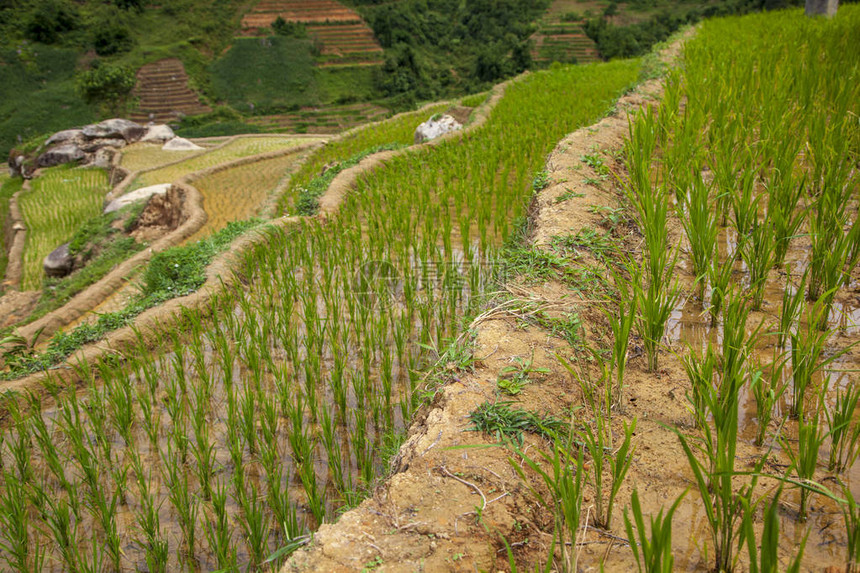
436, 127
102, 158
93, 145
180, 144
59, 262
60, 154
64, 136
162, 214
158, 134
114, 129
137, 195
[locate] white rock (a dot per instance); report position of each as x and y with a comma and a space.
180, 144
136, 195
158, 134
435, 127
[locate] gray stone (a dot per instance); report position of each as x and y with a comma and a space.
158, 134
135, 196
59, 262
93, 145
64, 136
180, 144
113, 129
102, 158
66, 153
436, 127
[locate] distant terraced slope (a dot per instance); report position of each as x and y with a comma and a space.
560, 36
344, 38
333, 119
163, 93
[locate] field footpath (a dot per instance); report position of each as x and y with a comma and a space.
219, 274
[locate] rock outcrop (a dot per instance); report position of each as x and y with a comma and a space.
93, 144
59, 262
436, 127
137, 195
180, 144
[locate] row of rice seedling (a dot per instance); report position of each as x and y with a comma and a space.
237, 149
59, 201
397, 130
140, 156
239, 193
754, 150
258, 424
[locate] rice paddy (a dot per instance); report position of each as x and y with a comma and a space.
59, 202
250, 430
236, 149
238, 193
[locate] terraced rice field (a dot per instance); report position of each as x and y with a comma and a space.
244, 147
327, 120
346, 40
560, 37
237, 194
304, 11
146, 156
163, 93
343, 35
60, 201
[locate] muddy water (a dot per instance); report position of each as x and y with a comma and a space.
690, 330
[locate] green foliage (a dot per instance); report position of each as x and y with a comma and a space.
260, 75
307, 202
107, 84
178, 271
481, 40
636, 39
111, 38
500, 420
49, 19
290, 29
37, 93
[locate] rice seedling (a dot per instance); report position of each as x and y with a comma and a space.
621, 322
767, 394
764, 552
804, 461
851, 515
791, 308
807, 356
757, 252
651, 549
843, 430
564, 480
700, 225
715, 477
60, 201
598, 442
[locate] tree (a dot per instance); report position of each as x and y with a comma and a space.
107, 85
49, 19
